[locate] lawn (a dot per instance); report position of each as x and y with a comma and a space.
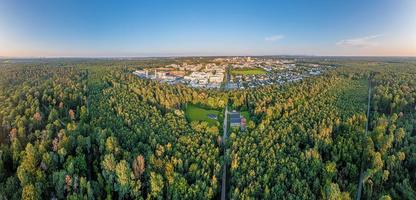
248, 71
196, 113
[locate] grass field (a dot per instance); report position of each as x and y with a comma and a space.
196, 113
248, 71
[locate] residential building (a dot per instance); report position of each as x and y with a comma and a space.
235, 119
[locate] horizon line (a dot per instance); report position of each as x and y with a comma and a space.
185, 56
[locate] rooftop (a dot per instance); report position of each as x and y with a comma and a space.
235, 120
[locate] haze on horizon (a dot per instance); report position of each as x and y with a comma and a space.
76, 28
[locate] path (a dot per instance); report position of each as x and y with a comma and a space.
224, 166
224, 138
360, 183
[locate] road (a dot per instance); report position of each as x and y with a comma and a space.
360, 183
227, 77
224, 138
224, 166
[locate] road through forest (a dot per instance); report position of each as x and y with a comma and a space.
360, 183
224, 139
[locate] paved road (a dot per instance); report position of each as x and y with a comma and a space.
360, 183
227, 78
224, 138
224, 166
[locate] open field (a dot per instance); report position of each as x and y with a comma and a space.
250, 71
196, 113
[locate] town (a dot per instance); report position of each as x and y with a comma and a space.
233, 73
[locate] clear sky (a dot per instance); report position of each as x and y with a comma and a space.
86, 28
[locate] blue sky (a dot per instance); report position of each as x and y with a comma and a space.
180, 28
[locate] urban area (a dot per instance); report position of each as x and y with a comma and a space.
233, 73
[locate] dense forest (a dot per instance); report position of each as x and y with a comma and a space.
91, 130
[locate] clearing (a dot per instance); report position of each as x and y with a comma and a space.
196, 113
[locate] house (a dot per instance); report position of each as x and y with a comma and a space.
216, 79
161, 74
314, 73
141, 73
177, 73
235, 119
203, 81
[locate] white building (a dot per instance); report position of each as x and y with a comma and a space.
141, 73
216, 78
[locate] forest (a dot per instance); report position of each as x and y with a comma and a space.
90, 129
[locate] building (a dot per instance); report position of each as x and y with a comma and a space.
160, 74
314, 73
235, 119
141, 73
216, 78
177, 73
232, 86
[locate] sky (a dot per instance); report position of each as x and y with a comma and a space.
141, 28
